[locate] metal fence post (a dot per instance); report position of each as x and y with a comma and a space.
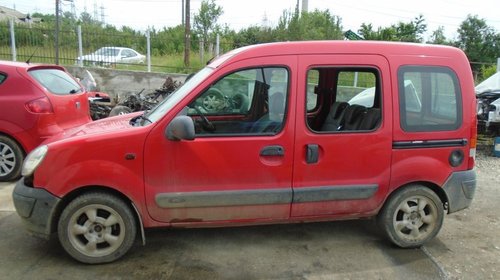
148, 49
80, 45
13, 40
498, 64
217, 45
202, 51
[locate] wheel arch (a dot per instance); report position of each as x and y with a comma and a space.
80, 191
15, 139
432, 186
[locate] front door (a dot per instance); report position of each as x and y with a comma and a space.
343, 139
239, 166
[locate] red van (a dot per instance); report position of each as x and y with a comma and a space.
36, 102
282, 132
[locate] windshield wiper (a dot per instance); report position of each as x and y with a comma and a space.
144, 118
134, 121
75, 91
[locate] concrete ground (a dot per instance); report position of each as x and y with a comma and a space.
468, 247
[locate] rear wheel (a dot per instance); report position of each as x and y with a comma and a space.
97, 228
412, 216
11, 159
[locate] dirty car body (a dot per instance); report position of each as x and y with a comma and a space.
290, 151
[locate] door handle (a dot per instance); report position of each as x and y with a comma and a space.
272, 151
312, 153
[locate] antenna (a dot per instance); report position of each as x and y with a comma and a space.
31, 56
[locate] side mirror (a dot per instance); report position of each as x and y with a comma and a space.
180, 128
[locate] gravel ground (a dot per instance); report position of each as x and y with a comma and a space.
468, 246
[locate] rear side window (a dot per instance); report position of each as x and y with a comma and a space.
430, 98
348, 99
56, 81
2, 78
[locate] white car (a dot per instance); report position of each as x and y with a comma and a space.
107, 56
488, 105
366, 97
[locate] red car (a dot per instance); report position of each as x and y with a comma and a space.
36, 102
272, 133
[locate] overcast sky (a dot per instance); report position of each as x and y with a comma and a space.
238, 14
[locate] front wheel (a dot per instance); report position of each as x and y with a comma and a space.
412, 216
97, 228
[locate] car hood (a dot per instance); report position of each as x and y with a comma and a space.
492, 84
102, 126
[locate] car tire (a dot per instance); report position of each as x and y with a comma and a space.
97, 227
11, 159
120, 110
412, 216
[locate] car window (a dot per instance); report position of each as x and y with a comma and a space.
312, 85
250, 101
128, 53
356, 87
2, 78
107, 51
354, 101
430, 98
56, 81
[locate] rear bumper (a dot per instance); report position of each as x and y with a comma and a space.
36, 207
460, 188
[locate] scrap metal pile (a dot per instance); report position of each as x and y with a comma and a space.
102, 107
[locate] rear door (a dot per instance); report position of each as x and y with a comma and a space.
434, 121
343, 169
68, 98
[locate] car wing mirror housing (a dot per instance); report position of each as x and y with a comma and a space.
180, 128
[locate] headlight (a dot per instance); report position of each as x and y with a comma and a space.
33, 160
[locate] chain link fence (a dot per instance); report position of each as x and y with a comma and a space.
22, 42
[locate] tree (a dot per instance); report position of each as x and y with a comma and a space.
86, 18
206, 19
438, 37
315, 25
479, 41
412, 31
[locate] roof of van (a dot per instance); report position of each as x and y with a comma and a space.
338, 47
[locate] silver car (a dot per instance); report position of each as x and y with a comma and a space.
108, 56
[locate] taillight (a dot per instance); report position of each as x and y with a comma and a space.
40, 106
473, 144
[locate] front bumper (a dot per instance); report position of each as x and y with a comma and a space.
36, 207
460, 188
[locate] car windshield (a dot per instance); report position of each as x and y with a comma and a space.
167, 104
56, 81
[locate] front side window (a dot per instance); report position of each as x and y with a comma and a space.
56, 81
250, 101
429, 98
2, 78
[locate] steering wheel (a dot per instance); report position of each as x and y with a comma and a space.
206, 124
213, 101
